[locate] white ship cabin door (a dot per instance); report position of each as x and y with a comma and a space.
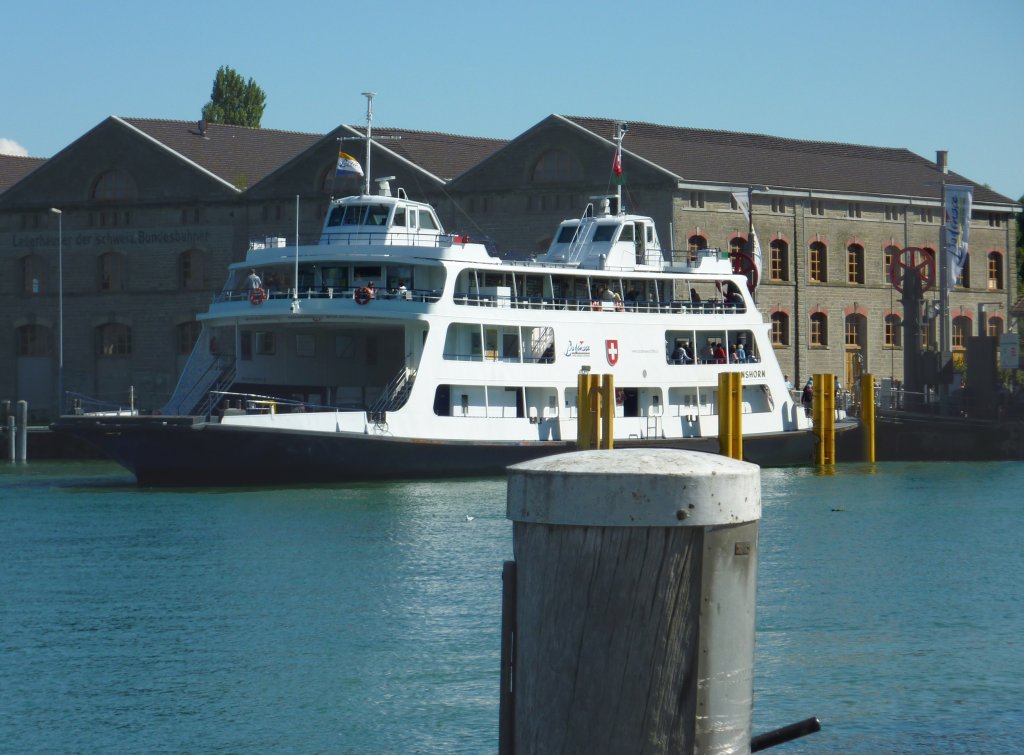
639, 242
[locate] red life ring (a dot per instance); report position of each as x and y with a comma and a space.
257, 296
362, 296
620, 396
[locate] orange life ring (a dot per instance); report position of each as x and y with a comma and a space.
362, 296
257, 296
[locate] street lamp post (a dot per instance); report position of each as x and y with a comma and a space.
60, 309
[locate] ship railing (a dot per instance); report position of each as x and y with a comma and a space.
680, 306
234, 402
692, 258
578, 243
393, 397
214, 396
541, 358
426, 296
202, 371
81, 403
392, 237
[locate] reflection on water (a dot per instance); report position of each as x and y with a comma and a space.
365, 618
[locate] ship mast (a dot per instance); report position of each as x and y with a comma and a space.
369, 134
620, 132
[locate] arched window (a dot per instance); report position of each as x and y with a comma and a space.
34, 341
778, 261
557, 166
893, 332
737, 246
696, 243
191, 268
819, 329
888, 255
818, 267
112, 271
188, 334
856, 331
961, 330
113, 340
33, 275
855, 264
964, 279
995, 271
780, 329
114, 185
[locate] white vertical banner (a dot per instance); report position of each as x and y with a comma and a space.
957, 225
741, 202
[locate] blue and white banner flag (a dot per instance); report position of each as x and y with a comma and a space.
348, 165
740, 198
957, 224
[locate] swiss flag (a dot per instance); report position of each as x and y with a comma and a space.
611, 351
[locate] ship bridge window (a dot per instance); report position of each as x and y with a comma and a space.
336, 215
605, 232
399, 219
567, 233
376, 214
627, 233
427, 221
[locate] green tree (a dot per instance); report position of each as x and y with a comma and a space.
234, 101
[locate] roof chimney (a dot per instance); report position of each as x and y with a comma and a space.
202, 126
942, 160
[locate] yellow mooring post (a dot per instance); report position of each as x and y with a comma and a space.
584, 420
730, 415
824, 411
595, 411
867, 415
606, 438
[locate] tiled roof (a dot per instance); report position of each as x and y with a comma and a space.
754, 159
442, 155
13, 169
240, 156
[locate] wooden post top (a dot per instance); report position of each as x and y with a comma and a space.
656, 487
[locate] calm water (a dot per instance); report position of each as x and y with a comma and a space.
365, 618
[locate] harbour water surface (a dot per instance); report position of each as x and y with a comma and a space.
365, 618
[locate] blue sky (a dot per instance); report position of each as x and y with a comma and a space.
925, 76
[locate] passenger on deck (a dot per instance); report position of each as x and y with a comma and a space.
741, 353
733, 296
678, 354
720, 356
372, 290
807, 396
252, 281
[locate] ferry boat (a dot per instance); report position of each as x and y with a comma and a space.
393, 349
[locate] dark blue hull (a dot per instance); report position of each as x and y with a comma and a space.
186, 451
